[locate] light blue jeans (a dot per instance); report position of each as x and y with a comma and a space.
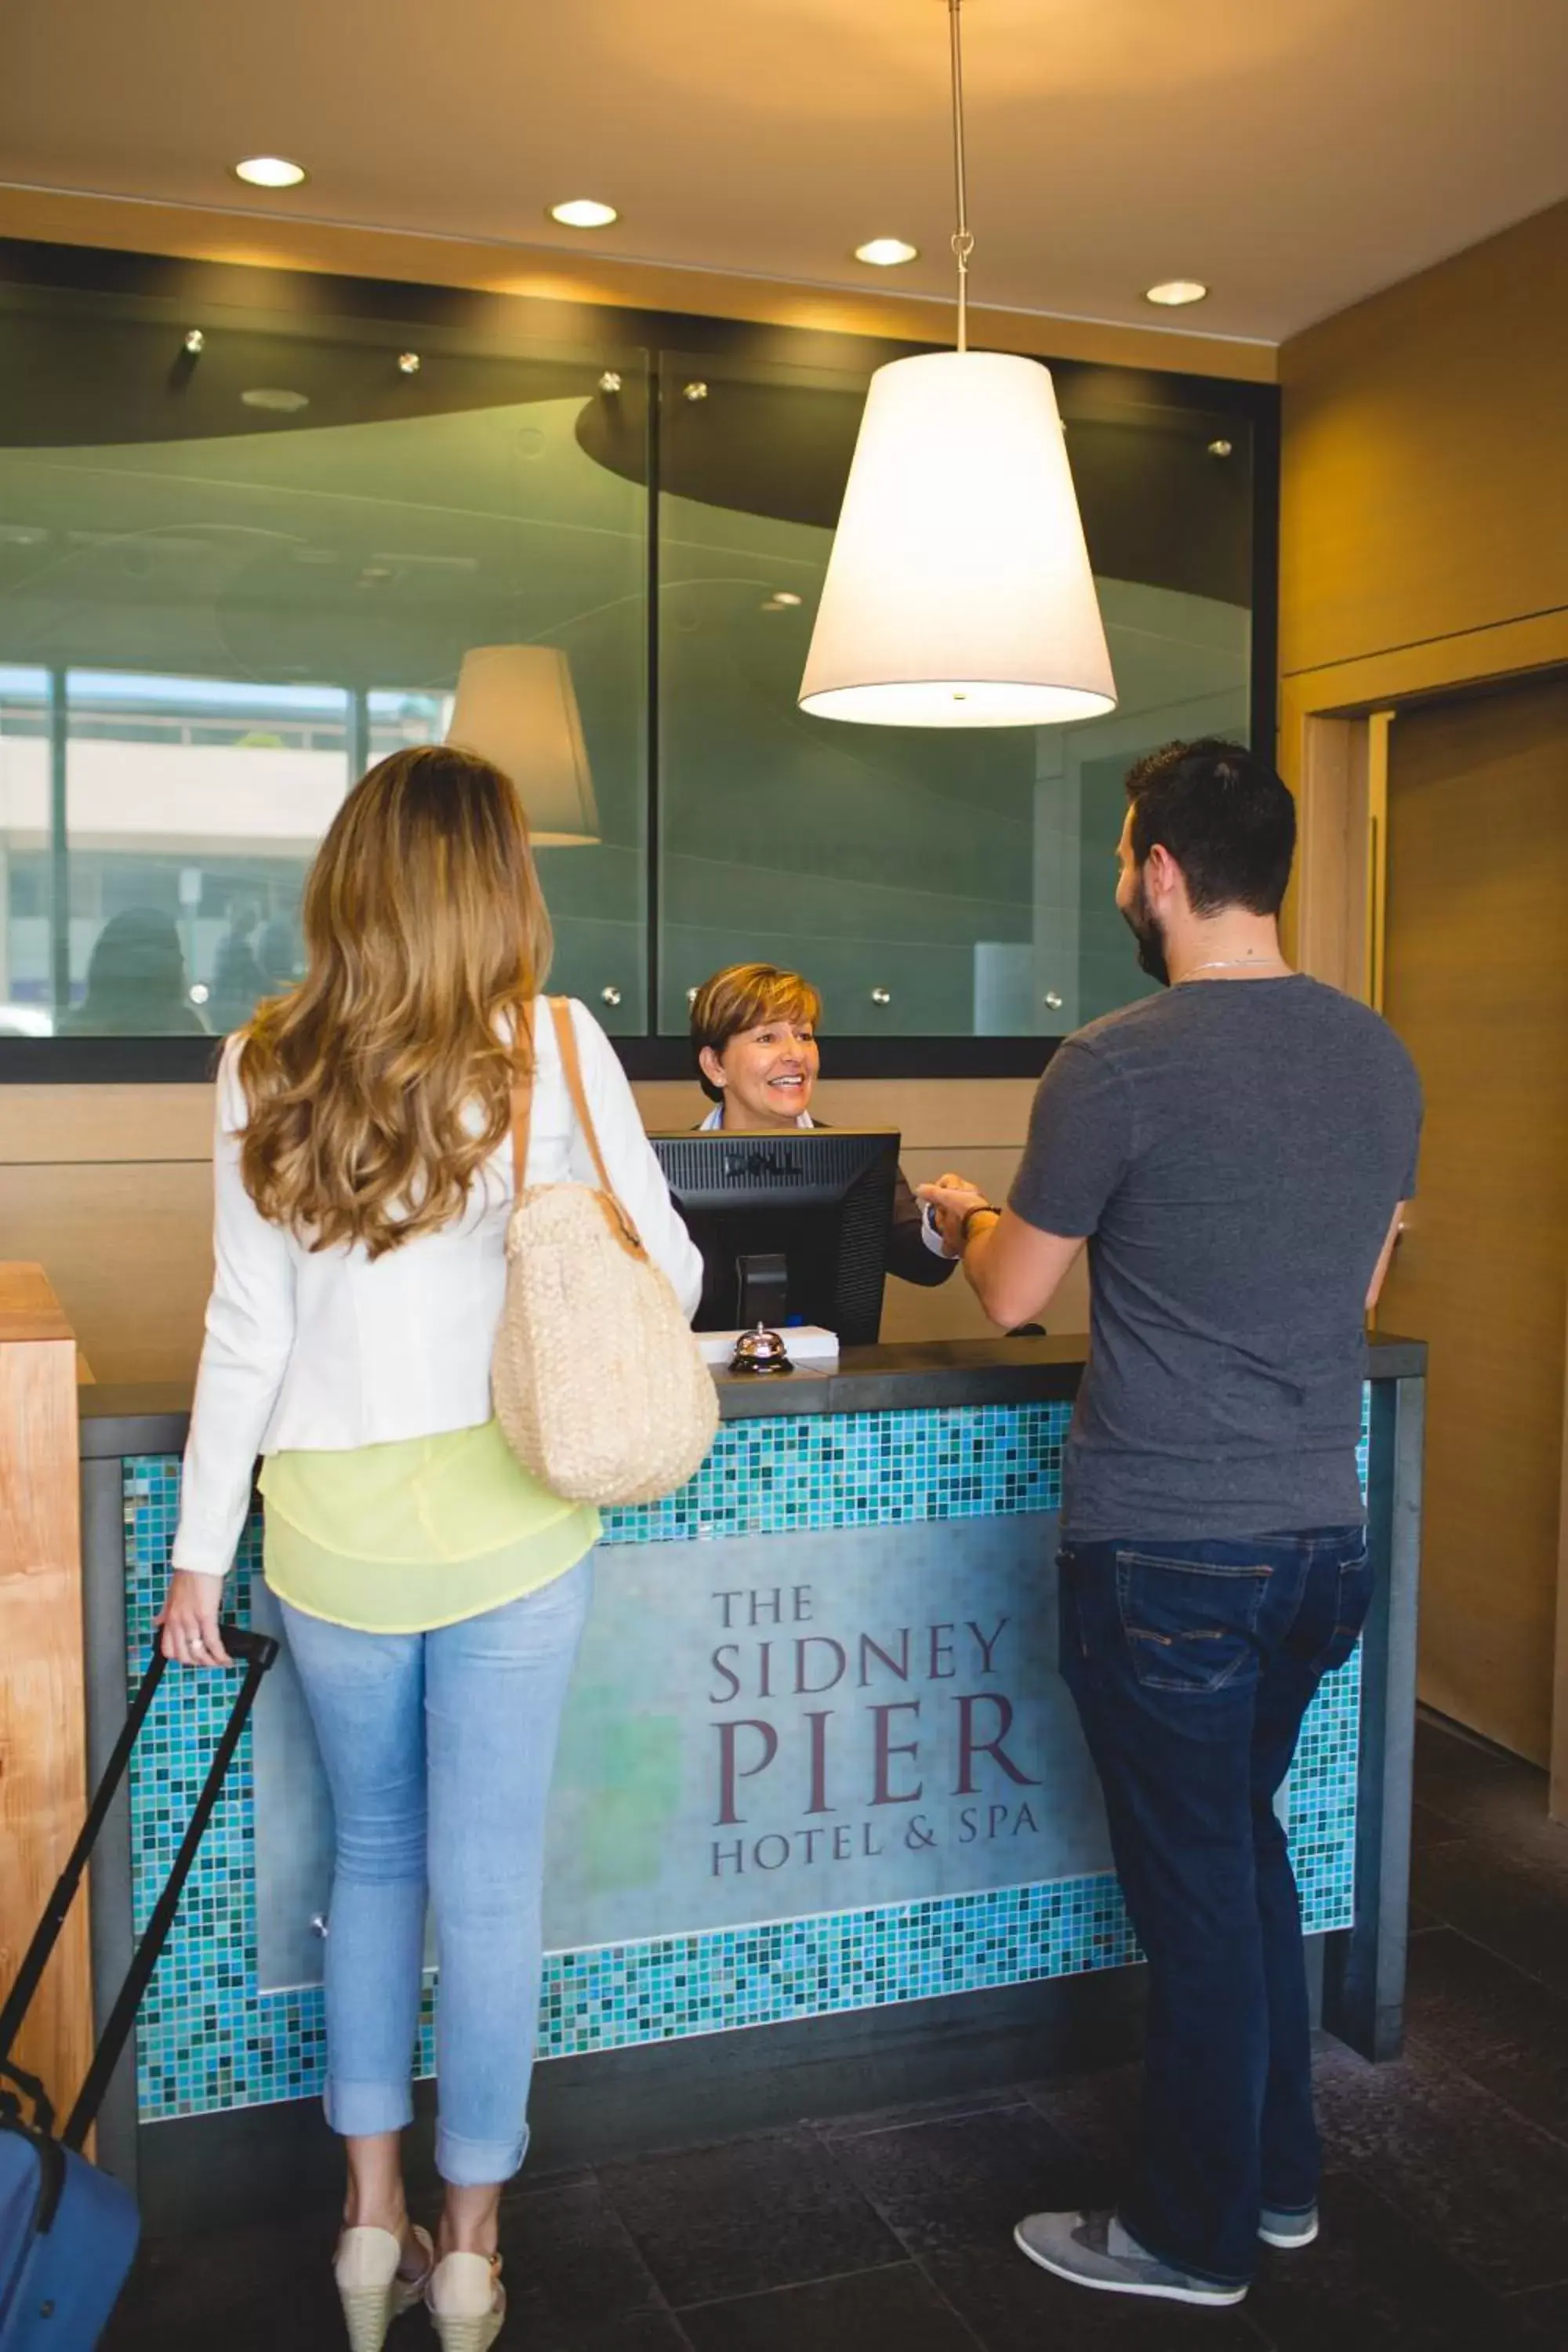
438, 1750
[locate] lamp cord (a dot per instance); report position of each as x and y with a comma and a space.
963, 242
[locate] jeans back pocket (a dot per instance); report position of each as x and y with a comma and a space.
1190, 1623
1353, 1601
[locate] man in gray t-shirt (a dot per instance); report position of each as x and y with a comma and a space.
1234, 1152
1234, 1155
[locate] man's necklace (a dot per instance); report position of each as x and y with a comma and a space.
1232, 963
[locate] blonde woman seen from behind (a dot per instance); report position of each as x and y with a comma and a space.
432, 1594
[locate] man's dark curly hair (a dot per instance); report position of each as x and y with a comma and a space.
1224, 815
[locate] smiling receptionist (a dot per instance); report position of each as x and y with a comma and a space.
753, 1032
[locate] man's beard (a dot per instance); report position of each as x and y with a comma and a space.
1140, 920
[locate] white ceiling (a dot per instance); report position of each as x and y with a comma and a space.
1295, 154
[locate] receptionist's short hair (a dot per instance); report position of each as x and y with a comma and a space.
744, 996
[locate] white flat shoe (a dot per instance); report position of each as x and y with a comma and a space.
467, 2301
372, 2293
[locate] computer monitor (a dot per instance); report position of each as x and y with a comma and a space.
791, 1228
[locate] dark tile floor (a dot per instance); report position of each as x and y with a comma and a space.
1446, 2206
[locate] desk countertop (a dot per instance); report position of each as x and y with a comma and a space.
915, 1376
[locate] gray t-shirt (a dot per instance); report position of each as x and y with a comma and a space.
1236, 1152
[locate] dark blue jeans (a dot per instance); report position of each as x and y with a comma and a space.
1191, 1666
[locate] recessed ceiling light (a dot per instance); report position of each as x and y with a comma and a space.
583, 212
785, 596
1174, 292
282, 402
271, 171
886, 252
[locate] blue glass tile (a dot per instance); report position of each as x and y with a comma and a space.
209, 2039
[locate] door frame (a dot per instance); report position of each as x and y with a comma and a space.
1333, 755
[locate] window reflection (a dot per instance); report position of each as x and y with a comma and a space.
231, 580
192, 808
932, 882
136, 981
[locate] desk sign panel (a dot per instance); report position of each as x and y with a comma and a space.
764, 1728
814, 1722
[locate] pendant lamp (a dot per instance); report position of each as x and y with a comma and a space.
958, 590
516, 706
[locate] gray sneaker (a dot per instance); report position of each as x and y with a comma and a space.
1286, 2231
1094, 2249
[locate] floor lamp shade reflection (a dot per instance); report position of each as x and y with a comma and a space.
516, 706
959, 592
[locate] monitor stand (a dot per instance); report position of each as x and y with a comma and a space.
763, 1289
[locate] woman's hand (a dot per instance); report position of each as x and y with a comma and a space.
189, 1620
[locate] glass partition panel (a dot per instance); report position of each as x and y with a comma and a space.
241, 557
931, 883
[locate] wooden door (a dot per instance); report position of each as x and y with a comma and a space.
1475, 982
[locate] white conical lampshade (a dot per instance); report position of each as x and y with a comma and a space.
517, 709
958, 592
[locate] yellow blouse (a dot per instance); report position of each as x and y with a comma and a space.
404, 1538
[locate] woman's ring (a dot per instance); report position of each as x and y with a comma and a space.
197, 1642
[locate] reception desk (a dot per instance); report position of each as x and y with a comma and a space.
823, 1833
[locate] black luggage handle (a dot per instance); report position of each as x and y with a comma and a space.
256, 1651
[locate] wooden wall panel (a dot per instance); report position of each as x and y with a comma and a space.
1559, 1678
1424, 471
109, 1188
104, 1123
43, 1735
1425, 463
128, 1247
1478, 987
1327, 936
981, 1112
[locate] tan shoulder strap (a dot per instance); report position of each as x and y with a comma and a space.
566, 1038
621, 1224
521, 1103
522, 1110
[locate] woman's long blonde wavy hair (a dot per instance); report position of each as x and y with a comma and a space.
378, 1088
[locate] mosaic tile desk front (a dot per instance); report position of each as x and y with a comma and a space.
689, 1902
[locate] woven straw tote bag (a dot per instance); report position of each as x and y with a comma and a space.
599, 1388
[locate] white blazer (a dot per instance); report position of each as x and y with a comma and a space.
327, 1349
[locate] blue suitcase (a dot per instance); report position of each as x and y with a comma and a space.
67, 2231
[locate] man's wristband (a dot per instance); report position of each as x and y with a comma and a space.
981, 1209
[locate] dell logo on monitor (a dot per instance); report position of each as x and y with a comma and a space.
764, 1163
